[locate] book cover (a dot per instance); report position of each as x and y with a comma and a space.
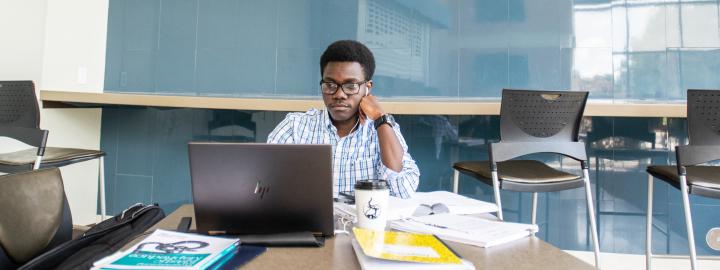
171, 250
402, 246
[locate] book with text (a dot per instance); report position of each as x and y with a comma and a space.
171, 250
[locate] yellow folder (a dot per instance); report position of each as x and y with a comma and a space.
402, 246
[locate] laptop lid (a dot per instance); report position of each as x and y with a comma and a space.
257, 188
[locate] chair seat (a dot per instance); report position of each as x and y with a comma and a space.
702, 180
53, 157
522, 175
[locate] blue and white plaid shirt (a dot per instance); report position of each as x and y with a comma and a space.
355, 157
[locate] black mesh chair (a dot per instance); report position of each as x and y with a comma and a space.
20, 120
689, 175
30, 226
536, 122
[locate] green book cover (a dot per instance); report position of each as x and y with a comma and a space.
170, 250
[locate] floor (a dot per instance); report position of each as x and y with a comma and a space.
619, 261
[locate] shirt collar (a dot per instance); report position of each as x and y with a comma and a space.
328, 123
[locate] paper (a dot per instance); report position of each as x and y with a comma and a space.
454, 203
466, 229
425, 203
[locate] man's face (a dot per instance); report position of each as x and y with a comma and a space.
343, 107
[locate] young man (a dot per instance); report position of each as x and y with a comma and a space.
367, 143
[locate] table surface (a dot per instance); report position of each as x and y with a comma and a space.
528, 253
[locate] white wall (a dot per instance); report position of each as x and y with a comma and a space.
58, 40
22, 26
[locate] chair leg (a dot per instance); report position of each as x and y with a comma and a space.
496, 190
456, 181
648, 232
591, 213
534, 208
101, 179
688, 221
38, 160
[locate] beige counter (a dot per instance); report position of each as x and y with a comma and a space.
69, 99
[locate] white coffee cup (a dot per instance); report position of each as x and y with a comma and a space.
371, 203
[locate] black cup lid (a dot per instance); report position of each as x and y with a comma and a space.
371, 184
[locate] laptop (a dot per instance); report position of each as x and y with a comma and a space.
257, 188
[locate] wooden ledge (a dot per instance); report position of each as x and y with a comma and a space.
70, 99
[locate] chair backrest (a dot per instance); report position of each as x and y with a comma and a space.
20, 113
548, 116
18, 104
703, 116
34, 216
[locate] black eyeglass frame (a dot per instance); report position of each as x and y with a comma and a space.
341, 86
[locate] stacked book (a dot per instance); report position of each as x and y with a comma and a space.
173, 250
469, 230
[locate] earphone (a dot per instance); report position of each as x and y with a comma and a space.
367, 92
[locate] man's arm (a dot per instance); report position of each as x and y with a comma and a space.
391, 150
283, 132
403, 182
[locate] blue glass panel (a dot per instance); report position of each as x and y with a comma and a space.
541, 24
295, 75
641, 75
592, 71
593, 23
692, 24
132, 189
135, 141
483, 24
483, 72
175, 64
694, 68
638, 26
537, 68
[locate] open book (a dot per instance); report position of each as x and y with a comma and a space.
466, 229
426, 203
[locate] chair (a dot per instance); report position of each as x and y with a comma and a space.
689, 175
34, 217
20, 120
535, 122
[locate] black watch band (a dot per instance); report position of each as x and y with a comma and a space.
384, 119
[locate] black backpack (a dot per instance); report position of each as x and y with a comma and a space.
101, 240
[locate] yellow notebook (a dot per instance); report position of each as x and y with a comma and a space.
402, 246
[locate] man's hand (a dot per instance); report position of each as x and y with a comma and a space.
370, 107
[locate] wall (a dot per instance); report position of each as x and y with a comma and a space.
52, 43
619, 51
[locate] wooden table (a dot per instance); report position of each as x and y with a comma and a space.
529, 253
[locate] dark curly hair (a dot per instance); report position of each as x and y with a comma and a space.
349, 51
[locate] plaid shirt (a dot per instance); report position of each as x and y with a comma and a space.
355, 157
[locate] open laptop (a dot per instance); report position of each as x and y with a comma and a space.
257, 188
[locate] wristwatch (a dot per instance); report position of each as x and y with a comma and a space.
385, 119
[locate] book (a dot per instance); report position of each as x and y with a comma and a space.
172, 250
439, 202
240, 256
401, 250
466, 229
425, 203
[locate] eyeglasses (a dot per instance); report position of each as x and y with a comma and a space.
329, 88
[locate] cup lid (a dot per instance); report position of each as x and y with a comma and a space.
371, 184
